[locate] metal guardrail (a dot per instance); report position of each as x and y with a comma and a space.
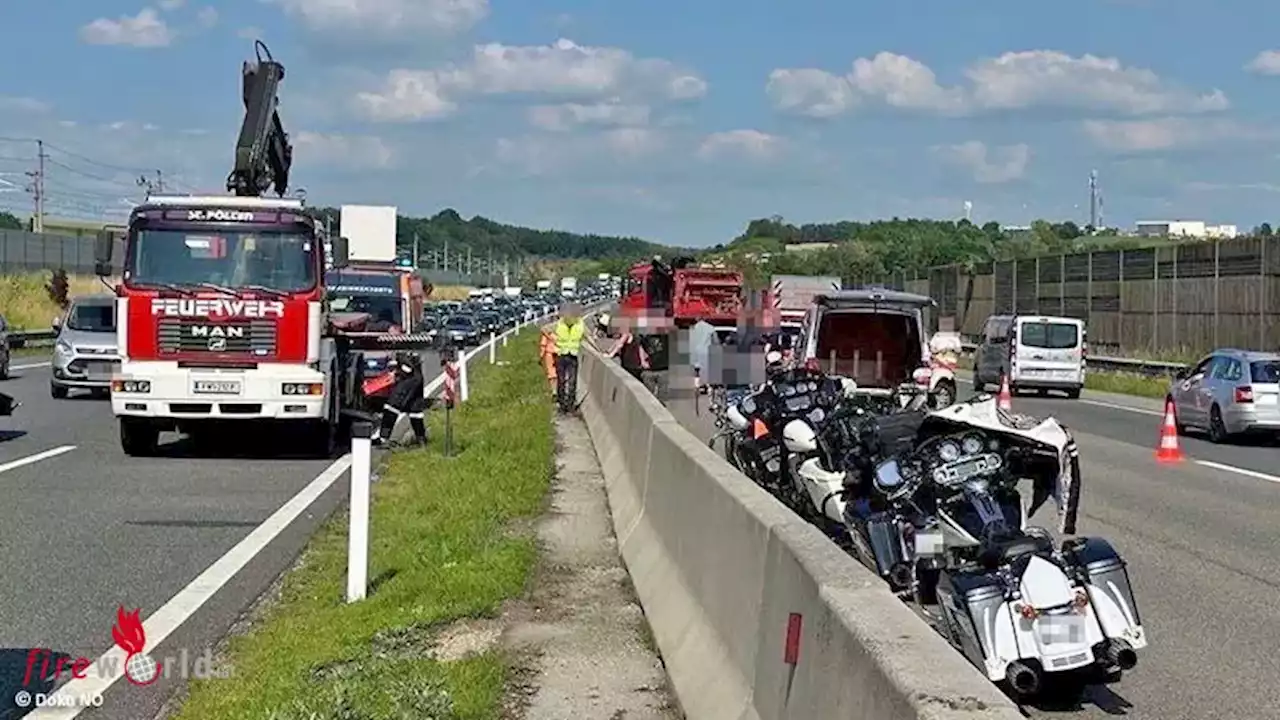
31, 338
1149, 368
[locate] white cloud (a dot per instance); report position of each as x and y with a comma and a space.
24, 104
1168, 133
633, 142
407, 95
207, 17
387, 17
740, 143
614, 113
171, 4
144, 30
1013, 81
1266, 62
563, 69
249, 33
361, 152
989, 165
543, 155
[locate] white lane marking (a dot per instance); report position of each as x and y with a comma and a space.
191, 598
30, 366
31, 459
1100, 403
1239, 471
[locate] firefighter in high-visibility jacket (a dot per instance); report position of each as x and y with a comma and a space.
570, 331
406, 398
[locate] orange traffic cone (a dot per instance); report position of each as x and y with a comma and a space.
1169, 451
1004, 400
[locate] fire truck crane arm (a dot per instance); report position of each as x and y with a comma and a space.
264, 155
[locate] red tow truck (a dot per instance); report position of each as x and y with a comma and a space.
685, 292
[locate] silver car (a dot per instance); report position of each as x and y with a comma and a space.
1229, 392
85, 355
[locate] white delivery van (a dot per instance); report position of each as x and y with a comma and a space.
1035, 352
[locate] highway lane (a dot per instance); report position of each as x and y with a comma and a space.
1202, 546
90, 529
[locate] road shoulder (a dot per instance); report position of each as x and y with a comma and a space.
580, 645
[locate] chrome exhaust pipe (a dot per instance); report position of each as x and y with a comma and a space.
1024, 679
1121, 654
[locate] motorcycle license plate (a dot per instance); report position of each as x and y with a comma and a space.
1067, 629
216, 387
929, 543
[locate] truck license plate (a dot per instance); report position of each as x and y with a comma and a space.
217, 387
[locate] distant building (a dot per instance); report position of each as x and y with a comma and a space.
1185, 228
806, 247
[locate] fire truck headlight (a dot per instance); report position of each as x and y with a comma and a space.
302, 389
131, 386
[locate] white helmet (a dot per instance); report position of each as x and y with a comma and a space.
773, 357
603, 318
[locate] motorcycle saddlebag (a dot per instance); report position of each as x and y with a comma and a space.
971, 597
1106, 570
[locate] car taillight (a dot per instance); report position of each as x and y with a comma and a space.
1244, 394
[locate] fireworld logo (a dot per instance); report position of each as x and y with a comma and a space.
139, 668
46, 666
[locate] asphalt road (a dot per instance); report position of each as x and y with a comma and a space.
1202, 545
88, 529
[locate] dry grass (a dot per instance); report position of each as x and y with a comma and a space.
26, 304
450, 292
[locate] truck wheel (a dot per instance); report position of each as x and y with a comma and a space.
138, 438
324, 441
59, 392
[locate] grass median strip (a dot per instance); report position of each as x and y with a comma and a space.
442, 549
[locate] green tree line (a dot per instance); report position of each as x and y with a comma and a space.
877, 249
484, 237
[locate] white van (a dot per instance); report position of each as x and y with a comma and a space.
1035, 352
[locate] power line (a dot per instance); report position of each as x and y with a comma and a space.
70, 184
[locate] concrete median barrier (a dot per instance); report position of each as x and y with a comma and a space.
723, 571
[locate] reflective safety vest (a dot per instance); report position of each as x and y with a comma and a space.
569, 337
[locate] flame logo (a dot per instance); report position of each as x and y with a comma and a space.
130, 636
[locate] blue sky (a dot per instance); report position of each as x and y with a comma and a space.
673, 121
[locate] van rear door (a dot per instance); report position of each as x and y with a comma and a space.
1049, 349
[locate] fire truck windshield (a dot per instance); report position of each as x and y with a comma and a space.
383, 309
272, 261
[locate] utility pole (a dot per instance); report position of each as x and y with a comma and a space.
37, 189
415, 251
1094, 207
446, 256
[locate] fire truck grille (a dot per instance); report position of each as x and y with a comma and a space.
252, 337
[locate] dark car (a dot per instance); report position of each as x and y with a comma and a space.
4, 348
461, 330
490, 322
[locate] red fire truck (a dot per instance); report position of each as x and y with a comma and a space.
684, 292
223, 316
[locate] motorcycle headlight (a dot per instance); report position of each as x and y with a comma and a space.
949, 451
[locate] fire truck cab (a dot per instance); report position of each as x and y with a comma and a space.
222, 317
